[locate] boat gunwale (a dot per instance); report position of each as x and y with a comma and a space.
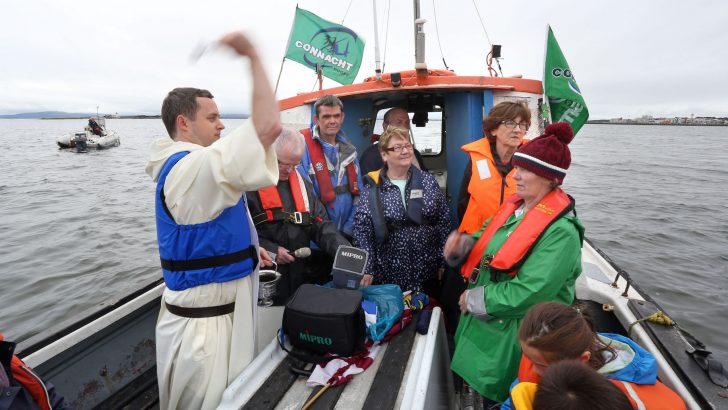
62, 334
618, 295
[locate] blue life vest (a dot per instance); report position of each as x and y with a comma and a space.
413, 211
217, 251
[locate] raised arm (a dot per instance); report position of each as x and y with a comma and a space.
265, 114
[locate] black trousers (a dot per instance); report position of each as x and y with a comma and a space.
452, 287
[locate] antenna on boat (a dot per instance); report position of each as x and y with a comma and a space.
97, 113
377, 61
319, 74
420, 64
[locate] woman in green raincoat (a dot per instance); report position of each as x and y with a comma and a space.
528, 252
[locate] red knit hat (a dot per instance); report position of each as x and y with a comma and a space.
547, 155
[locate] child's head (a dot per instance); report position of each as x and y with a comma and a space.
551, 332
572, 385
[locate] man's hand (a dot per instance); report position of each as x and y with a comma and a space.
284, 256
457, 248
366, 281
265, 112
239, 43
463, 302
265, 260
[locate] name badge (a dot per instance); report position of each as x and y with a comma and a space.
416, 193
483, 170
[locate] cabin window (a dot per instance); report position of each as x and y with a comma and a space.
427, 139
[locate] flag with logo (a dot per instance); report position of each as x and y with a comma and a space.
559, 86
314, 40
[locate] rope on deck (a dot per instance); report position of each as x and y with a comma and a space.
658, 317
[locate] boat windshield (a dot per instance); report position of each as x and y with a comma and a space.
427, 137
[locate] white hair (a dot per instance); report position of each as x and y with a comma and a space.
290, 139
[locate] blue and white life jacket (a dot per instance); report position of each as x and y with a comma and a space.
413, 209
211, 252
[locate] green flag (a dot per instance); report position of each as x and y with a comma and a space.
559, 86
314, 40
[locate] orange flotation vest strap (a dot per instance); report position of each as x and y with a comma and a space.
515, 250
30, 381
316, 152
650, 395
273, 210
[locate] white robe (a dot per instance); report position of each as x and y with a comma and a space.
198, 358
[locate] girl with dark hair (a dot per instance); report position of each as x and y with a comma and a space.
553, 332
569, 385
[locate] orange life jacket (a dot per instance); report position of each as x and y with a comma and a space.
31, 383
270, 199
515, 250
651, 396
486, 195
321, 170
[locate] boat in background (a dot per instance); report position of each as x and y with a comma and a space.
86, 140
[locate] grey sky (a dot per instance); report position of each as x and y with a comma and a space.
662, 58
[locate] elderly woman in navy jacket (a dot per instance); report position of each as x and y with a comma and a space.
402, 218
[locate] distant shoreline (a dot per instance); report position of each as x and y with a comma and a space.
120, 117
239, 116
132, 117
598, 122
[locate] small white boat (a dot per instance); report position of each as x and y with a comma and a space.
86, 140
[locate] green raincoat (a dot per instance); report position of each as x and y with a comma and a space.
487, 352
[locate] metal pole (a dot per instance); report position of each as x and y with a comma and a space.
378, 70
279, 76
319, 73
417, 16
420, 64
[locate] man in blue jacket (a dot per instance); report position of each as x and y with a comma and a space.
330, 163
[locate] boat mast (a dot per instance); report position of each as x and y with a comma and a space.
377, 61
420, 64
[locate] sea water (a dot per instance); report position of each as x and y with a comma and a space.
77, 230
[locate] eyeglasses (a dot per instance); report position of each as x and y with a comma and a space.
510, 124
398, 148
284, 165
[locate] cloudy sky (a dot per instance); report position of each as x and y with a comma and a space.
661, 58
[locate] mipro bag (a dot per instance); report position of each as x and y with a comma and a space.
325, 320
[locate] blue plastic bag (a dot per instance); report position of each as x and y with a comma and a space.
388, 299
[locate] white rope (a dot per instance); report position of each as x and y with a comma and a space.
386, 35
347, 12
437, 31
481, 23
